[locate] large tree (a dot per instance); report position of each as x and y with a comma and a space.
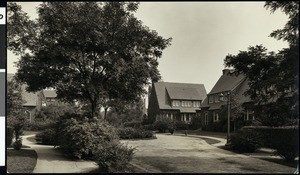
273, 77
87, 51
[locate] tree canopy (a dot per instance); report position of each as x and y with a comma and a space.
273, 77
87, 51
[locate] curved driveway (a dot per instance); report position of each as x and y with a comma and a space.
51, 160
181, 154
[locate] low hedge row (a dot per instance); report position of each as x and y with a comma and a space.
134, 133
285, 140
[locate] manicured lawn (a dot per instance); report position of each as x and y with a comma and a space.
21, 161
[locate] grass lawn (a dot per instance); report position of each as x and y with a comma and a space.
21, 161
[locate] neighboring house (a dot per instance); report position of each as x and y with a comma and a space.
33, 101
218, 97
49, 97
177, 101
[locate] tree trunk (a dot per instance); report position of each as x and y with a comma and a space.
105, 112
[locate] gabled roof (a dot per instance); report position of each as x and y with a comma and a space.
178, 91
227, 82
49, 93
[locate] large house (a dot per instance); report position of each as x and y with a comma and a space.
177, 101
228, 86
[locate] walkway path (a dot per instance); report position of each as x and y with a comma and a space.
51, 160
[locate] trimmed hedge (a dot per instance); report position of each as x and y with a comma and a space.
284, 139
246, 141
133, 133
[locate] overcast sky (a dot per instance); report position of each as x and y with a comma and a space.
203, 34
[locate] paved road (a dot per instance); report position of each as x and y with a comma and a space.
180, 154
50, 160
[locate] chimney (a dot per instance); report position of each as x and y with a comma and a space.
226, 71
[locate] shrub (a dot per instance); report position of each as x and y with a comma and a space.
46, 137
133, 133
149, 127
9, 136
17, 144
79, 136
164, 125
161, 125
112, 156
246, 141
182, 125
133, 124
284, 139
38, 125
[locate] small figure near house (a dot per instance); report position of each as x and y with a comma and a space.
185, 132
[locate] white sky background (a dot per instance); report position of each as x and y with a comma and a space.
203, 34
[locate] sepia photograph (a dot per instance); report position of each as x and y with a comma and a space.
152, 87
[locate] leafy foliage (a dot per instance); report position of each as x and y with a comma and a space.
15, 112
246, 141
79, 136
134, 133
165, 124
87, 51
18, 144
284, 139
273, 77
46, 137
290, 32
9, 136
113, 156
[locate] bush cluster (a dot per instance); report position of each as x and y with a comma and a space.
180, 125
112, 156
285, 140
84, 138
165, 125
133, 124
134, 133
246, 141
18, 144
9, 136
47, 137
37, 125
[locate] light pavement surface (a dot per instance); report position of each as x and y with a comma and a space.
181, 154
51, 160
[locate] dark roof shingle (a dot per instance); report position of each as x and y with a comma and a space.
178, 91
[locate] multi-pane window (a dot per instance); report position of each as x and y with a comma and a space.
196, 104
176, 103
215, 116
